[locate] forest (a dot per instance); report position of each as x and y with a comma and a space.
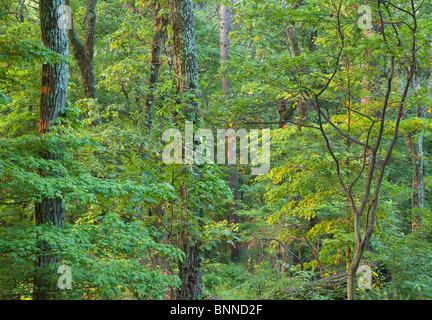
215, 150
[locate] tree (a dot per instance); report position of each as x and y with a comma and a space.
324, 79
186, 70
184, 49
52, 105
160, 22
225, 26
351, 188
233, 178
414, 143
368, 204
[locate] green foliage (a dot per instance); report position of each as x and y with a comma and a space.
109, 259
128, 226
407, 257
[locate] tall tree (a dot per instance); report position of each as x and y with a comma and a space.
414, 143
160, 23
184, 49
225, 27
233, 178
368, 207
53, 102
186, 69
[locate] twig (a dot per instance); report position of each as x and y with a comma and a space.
283, 245
310, 246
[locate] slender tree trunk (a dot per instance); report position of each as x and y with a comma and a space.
414, 143
234, 183
355, 262
225, 27
369, 206
84, 53
160, 23
52, 104
360, 242
186, 69
296, 51
233, 178
292, 39
281, 111
22, 8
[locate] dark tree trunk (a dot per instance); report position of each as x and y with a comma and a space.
191, 272
160, 31
282, 109
84, 53
52, 104
160, 23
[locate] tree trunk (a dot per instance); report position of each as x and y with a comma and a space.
84, 53
415, 147
352, 271
282, 109
361, 243
184, 49
186, 69
296, 51
234, 183
52, 104
414, 143
233, 178
225, 26
159, 23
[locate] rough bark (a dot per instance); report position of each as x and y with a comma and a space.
281, 111
83, 53
160, 23
53, 101
292, 39
186, 70
184, 53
